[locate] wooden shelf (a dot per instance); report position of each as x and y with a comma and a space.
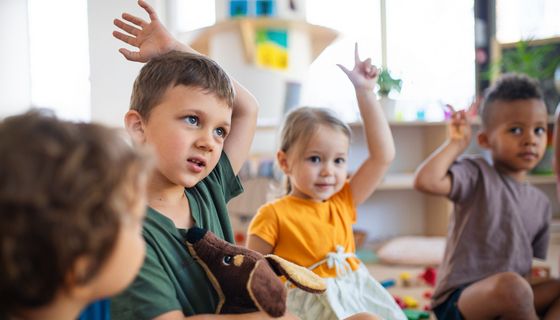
541, 179
397, 181
321, 36
405, 181
423, 123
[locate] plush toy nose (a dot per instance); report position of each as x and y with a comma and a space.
194, 234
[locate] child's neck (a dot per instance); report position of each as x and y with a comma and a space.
171, 201
518, 175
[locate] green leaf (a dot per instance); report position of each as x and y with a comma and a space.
387, 83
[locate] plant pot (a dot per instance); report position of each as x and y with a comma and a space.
388, 105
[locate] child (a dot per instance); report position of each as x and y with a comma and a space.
183, 106
500, 222
312, 225
72, 200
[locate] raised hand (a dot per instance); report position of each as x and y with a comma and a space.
460, 126
364, 74
152, 39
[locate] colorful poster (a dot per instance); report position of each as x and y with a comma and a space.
272, 48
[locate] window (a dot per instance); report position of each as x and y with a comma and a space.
433, 52
526, 19
430, 46
357, 21
59, 57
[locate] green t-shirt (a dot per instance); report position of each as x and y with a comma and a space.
170, 279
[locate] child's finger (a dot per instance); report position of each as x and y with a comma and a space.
125, 38
450, 108
343, 68
126, 27
374, 72
356, 54
131, 56
151, 12
134, 19
473, 108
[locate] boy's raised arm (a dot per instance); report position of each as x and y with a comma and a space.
152, 39
243, 126
432, 175
378, 135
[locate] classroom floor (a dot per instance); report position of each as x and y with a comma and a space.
383, 272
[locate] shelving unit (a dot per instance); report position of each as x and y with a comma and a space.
246, 27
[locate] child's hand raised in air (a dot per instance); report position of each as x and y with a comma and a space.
460, 126
152, 39
364, 75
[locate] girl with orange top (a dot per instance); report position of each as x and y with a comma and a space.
312, 225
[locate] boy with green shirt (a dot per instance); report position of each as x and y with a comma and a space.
201, 125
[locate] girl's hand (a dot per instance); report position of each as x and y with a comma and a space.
364, 75
152, 39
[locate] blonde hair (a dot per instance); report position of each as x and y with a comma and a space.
302, 123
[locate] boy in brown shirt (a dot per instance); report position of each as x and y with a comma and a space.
500, 222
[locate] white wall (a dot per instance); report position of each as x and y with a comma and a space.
15, 83
111, 75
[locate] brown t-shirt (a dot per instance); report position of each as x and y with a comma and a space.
498, 225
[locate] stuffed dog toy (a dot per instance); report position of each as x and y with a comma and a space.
245, 280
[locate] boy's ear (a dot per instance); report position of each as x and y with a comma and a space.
483, 139
74, 282
135, 126
282, 159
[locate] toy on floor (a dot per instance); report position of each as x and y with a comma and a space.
388, 283
406, 279
416, 314
429, 276
399, 302
410, 302
540, 272
245, 280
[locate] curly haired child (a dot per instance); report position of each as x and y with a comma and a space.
72, 202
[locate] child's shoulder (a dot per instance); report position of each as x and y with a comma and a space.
472, 164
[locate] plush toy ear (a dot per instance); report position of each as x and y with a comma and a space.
301, 277
266, 290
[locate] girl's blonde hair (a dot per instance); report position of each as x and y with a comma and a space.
302, 123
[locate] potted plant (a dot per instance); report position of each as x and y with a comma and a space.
388, 84
536, 59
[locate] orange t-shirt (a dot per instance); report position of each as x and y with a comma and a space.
304, 231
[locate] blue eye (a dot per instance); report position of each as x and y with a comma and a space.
220, 132
192, 120
540, 131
